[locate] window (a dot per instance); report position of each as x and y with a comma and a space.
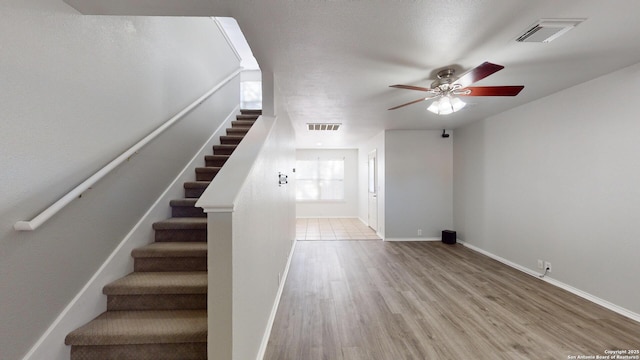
251, 94
319, 180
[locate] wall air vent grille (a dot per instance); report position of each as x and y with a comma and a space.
547, 30
323, 126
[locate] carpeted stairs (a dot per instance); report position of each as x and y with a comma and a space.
159, 312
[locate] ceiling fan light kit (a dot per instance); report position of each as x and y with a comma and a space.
446, 105
446, 89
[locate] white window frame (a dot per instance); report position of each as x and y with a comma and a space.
320, 180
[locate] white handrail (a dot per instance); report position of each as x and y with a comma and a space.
78, 190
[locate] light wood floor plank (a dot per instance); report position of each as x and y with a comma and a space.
351, 300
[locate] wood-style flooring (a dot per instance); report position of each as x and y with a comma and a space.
375, 300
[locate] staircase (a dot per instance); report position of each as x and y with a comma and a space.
159, 311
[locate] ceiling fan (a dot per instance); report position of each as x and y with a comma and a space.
447, 88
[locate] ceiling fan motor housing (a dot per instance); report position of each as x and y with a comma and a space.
444, 77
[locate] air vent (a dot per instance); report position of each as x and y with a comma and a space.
323, 126
547, 30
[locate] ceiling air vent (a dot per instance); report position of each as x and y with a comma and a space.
546, 30
323, 126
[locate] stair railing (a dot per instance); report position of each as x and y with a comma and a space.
49, 212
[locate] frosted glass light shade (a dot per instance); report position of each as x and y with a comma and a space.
446, 105
457, 104
434, 107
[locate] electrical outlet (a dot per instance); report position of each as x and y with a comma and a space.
419, 232
547, 266
540, 264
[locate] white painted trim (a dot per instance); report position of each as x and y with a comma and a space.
594, 299
604, 303
501, 259
329, 217
220, 209
83, 306
226, 38
412, 239
54, 208
274, 310
237, 169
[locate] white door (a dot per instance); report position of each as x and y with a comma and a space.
373, 191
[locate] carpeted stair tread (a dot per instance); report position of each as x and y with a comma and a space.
216, 157
225, 146
208, 169
145, 283
247, 116
216, 160
181, 223
194, 189
231, 139
242, 123
182, 351
171, 249
238, 131
183, 202
196, 184
224, 149
251, 111
142, 327
207, 173
186, 207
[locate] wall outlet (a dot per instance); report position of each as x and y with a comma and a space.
540, 264
419, 232
547, 266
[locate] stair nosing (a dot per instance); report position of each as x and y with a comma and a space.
159, 283
208, 168
142, 327
181, 223
198, 184
171, 250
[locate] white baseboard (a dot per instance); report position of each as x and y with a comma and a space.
327, 217
604, 303
274, 309
90, 302
412, 239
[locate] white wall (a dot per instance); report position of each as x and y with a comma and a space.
76, 92
345, 208
251, 234
264, 231
375, 143
558, 179
419, 184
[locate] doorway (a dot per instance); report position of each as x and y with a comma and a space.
373, 191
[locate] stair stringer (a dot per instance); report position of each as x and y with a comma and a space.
90, 302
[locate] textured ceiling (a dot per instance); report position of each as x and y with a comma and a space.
334, 60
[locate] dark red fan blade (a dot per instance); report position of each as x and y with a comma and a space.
409, 103
478, 73
410, 87
493, 90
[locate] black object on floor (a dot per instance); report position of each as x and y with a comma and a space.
448, 236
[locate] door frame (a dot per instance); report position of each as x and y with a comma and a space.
372, 188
